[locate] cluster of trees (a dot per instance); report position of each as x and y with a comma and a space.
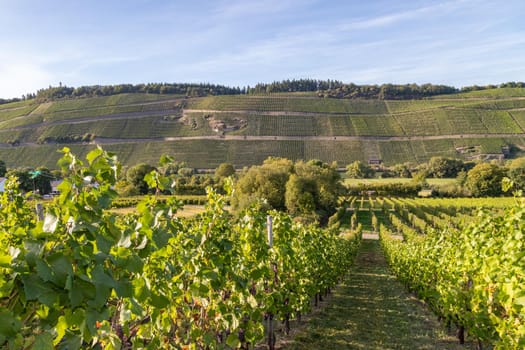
324, 88
473, 179
388, 91
9, 100
309, 190
186, 180
510, 84
87, 137
36, 180
61, 91
296, 85
436, 167
305, 189
338, 89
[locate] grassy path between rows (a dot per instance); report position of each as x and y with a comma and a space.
372, 310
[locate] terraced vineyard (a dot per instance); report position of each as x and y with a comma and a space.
246, 128
289, 104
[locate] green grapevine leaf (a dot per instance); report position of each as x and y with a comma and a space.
44, 341
36, 289
9, 325
94, 154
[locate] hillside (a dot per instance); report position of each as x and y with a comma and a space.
246, 129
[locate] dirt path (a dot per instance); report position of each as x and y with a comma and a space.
371, 310
109, 141
311, 138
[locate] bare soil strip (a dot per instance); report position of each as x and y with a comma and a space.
314, 138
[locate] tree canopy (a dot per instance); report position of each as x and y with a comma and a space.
359, 170
135, 176
485, 180
442, 167
225, 170
188, 89
516, 173
307, 189
324, 88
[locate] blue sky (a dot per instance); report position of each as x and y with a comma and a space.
243, 42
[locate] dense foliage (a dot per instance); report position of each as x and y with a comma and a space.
471, 275
306, 189
152, 88
9, 100
324, 88
485, 180
359, 170
388, 91
87, 278
443, 167
296, 85
338, 89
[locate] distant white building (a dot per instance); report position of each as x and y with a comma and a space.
54, 187
2, 184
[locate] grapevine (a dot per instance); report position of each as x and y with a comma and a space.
85, 277
473, 276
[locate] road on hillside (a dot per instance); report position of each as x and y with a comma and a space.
306, 138
108, 141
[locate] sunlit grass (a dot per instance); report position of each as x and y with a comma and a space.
372, 310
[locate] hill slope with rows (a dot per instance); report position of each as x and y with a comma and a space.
245, 129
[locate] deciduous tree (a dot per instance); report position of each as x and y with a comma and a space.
135, 176
485, 180
359, 170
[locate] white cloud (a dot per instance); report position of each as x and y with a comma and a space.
396, 17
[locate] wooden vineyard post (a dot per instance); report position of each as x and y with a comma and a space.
271, 335
39, 211
269, 224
